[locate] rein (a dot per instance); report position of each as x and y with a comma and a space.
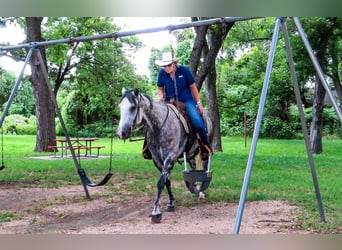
167, 115
138, 116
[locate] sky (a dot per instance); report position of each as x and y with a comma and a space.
14, 36
157, 40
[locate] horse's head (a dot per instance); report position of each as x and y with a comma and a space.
129, 112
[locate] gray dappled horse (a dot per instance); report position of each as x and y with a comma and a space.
166, 137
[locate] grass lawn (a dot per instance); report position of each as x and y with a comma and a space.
280, 171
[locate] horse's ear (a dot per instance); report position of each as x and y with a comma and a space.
136, 92
123, 90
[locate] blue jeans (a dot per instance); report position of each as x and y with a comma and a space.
196, 120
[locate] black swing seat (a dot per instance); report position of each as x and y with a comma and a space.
197, 180
89, 183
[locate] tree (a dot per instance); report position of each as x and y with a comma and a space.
242, 64
207, 44
322, 34
92, 72
85, 70
45, 110
23, 103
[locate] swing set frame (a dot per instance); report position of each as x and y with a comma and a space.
33, 48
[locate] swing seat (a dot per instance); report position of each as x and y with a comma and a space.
89, 183
197, 180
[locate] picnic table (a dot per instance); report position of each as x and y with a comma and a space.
81, 146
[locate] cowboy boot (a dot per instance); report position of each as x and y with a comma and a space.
205, 151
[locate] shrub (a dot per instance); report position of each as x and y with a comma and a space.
20, 125
276, 128
98, 129
331, 123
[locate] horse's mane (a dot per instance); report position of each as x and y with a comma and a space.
132, 94
149, 98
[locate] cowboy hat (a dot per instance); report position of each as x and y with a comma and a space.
167, 58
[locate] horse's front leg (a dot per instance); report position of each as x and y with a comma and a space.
156, 213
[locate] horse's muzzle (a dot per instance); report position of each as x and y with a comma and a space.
123, 134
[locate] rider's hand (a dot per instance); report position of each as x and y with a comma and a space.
200, 109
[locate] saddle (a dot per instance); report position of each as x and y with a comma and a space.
179, 109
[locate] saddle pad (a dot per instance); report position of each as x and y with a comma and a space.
180, 117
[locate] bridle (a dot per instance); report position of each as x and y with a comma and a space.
137, 119
138, 115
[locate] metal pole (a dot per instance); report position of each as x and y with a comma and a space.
15, 88
126, 33
302, 119
317, 66
249, 167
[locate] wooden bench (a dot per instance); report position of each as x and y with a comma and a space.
54, 148
88, 149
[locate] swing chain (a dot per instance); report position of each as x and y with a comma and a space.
2, 135
81, 171
2, 149
112, 102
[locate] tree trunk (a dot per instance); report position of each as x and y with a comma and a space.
210, 94
335, 76
319, 93
209, 50
317, 118
45, 110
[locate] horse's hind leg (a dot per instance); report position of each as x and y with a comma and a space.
170, 207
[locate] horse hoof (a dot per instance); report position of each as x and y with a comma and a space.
201, 196
156, 218
170, 208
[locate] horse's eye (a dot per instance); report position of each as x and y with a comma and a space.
132, 109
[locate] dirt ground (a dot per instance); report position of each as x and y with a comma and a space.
67, 211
